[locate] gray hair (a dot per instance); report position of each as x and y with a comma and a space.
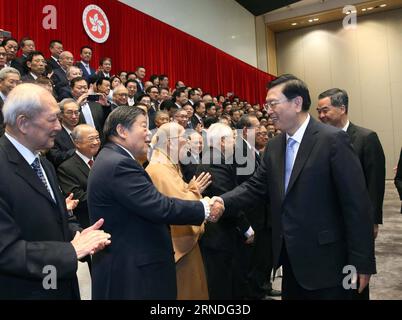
70, 71
63, 103
216, 132
25, 99
7, 70
76, 134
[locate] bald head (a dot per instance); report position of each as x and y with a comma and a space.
86, 140
66, 59
120, 95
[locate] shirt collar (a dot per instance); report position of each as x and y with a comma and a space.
24, 151
131, 155
3, 96
345, 128
298, 136
34, 76
83, 157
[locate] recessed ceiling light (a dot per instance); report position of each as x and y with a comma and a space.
316, 19
310, 20
294, 24
383, 5
370, 8
364, 9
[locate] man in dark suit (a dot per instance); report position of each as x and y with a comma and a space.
9, 78
321, 211
140, 74
332, 109
56, 48
64, 147
39, 239
35, 64
199, 114
73, 173
92, 112
258, 256
27, 46
220, 242
84, 64
59, 76
194, 157
398, 178
140, 263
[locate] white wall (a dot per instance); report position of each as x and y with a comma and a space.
367, 62
223, 24
261, 38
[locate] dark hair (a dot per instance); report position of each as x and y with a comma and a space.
162, 76
100, 80
114, 77
138, 68
123, 115
102, 61
338, 97
53, 42
75, 80
6, 40
22, 42
153, 78
148, 90
177, 93
209, 105
130, 81
86, 47
293, 87
130, 73
139, 97
34, 54
44, 80
167, 105
197, 104
209, 121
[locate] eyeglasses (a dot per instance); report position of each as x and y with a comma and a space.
70, 113
93, 139
274, 103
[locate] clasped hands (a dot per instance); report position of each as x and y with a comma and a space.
217, 207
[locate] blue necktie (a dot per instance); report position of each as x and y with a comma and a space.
38, 170
290, 157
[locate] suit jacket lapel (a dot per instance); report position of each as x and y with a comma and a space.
278, 157
303, 153
351, 132
81, 165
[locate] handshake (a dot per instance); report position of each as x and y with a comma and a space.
216, 207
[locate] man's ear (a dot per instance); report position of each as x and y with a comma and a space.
299, 103
22, 124
121, 131
29, 64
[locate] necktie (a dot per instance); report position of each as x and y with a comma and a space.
90, 163
38, 170
290, 157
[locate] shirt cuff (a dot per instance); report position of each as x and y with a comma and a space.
249, 232
207, 209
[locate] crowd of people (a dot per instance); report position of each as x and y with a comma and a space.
174, 193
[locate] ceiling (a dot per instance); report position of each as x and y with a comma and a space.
259, 7
281, 20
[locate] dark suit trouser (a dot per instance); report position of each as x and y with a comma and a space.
219, 271
292, 290
261, 264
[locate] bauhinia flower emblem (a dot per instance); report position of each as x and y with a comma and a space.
97, 24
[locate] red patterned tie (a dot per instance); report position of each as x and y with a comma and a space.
90, 163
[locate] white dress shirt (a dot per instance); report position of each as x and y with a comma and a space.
345, 128
86, 112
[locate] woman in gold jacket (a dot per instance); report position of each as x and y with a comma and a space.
165, 173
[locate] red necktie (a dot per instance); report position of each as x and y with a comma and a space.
90, 163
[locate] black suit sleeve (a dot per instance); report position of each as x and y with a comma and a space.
253, 191
70, 184
374, 169
398, 177
27, 259
141, 196
355, 205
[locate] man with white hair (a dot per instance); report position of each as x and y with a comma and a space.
59, 76
219, 242
39, 239
9, 78
65, 91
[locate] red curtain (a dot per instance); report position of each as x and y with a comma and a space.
137, 39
